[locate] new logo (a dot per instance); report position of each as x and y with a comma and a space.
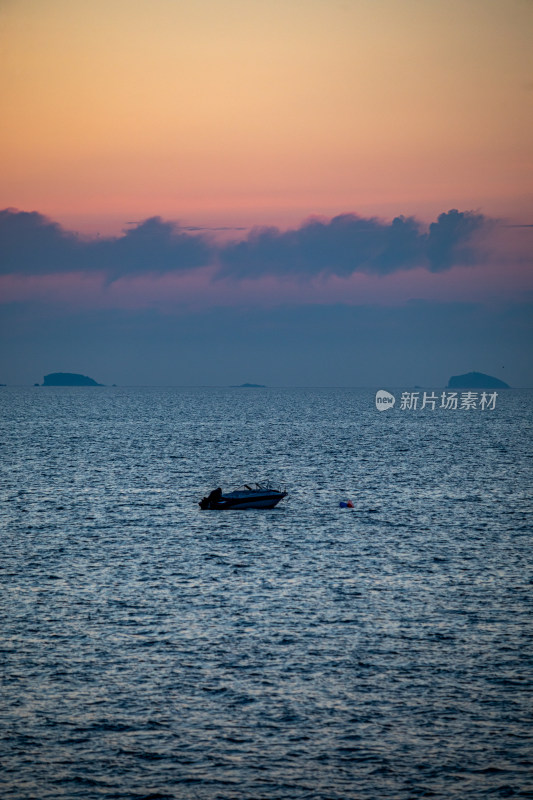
384, 400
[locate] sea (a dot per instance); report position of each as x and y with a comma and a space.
153, 650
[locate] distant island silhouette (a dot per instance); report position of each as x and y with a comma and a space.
68, 379
476, 380
250, 386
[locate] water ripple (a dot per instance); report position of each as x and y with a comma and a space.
151, 650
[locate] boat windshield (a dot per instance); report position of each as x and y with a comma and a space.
259, 487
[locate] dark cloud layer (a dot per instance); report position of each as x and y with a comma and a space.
449, 239
152, 246
32, 244
336, 345
348, 243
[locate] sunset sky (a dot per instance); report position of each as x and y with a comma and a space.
239, 114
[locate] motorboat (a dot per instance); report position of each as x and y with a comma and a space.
256, 495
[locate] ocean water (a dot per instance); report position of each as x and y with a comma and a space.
153, 650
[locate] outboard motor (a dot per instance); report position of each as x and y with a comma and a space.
211, 499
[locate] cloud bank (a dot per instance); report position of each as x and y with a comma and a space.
348, 243
31, 244
344, 301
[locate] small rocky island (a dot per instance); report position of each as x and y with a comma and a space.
476, 380
68, 379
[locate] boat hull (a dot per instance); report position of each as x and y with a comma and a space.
227, 503
237, 500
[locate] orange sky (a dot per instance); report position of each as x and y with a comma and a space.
239, 112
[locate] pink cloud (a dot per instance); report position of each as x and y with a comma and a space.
197, 289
